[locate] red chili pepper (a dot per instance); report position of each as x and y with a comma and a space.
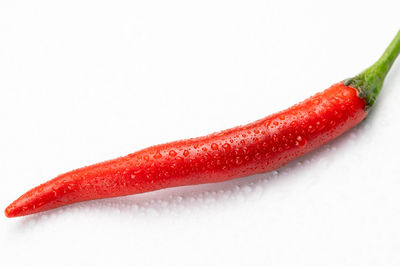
258, 147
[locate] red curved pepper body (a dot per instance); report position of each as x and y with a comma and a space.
258, 147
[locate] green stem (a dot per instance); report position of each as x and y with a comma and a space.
370, 81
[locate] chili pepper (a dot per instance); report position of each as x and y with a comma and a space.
258, 147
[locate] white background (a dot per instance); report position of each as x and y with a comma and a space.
86, 81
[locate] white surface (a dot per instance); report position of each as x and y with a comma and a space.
86, 81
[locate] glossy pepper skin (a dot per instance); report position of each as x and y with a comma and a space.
257, 147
